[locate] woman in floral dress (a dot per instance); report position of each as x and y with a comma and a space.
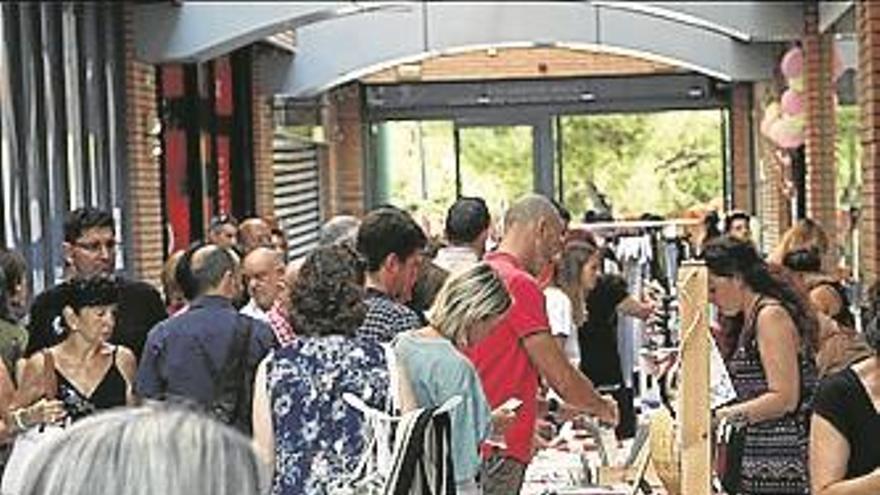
301, 423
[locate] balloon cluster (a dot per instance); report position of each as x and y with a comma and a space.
783, 121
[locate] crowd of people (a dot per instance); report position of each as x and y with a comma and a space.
238, 375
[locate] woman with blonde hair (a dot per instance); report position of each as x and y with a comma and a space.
802, 250
466, 309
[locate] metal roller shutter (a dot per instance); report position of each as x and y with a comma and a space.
297, 193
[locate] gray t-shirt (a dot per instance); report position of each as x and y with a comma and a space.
437, 371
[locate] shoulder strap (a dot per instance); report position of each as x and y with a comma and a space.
227, 403
752, 316
751, 320
50, 380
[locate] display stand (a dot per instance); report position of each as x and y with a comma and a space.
693, 398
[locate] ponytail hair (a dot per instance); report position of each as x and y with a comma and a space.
803, 260
729, 257
802, 247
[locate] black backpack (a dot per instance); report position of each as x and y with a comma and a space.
234, 386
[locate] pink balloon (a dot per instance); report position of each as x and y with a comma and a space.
787, 133
792, 102
792, 64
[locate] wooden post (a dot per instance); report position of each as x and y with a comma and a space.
694, 414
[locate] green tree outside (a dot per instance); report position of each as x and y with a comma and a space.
660, 162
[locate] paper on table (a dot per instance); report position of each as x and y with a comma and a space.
721, 389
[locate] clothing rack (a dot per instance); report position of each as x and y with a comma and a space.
636, 224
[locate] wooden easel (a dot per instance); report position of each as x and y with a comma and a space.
685, 447
693, 406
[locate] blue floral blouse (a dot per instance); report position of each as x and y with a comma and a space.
319, 437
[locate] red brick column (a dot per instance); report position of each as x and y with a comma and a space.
741, 146
774, 207
868, 27
263, 132
144, 173
819, 126
343, 128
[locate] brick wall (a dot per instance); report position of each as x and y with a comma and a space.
774, 208
263, 132
868, 27
143, 164
819, 126
343, 123
741, 146
518, 63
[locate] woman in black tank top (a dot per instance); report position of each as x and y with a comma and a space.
84, 372
110, 392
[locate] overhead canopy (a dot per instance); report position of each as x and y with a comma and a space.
755, 21
342, 41
688, 35
198, 31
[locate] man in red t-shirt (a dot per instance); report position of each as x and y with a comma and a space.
520, 349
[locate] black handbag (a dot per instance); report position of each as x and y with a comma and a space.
731, 437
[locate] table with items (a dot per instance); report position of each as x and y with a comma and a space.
670, 453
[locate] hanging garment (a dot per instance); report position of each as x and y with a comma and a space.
635, 254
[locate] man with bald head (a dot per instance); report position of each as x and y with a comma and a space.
519, 349
209, 353
253, 233
265, 280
